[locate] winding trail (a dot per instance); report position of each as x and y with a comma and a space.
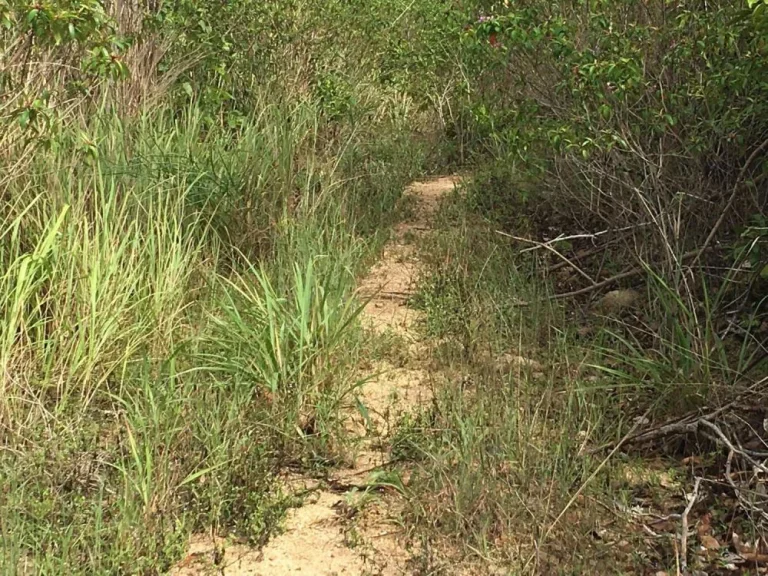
331, 534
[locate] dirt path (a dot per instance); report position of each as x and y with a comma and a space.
334, 532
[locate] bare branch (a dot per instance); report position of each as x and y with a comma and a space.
549, 247
684, 533
736, 187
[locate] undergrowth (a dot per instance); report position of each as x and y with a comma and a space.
178, 326
189, 191
523, 460
499, 453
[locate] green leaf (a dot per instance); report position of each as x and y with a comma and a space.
363, 409
45, 247
24, 119
195, 475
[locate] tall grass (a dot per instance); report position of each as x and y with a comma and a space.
500, 453
178, 317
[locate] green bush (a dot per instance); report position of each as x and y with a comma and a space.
639, 127
626, 111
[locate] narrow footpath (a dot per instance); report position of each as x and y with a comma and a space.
330, 534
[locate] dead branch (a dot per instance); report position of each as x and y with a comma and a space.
693, 425
582, 254
685, 425
684, 534
749, 455
548, 246
559, 238
689, 423
598, 285
602, 284
612, 280
746, 504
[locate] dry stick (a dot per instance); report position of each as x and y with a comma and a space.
746, 504
718, 437
748, 455
583, 254
560, 238
688, 422
598, 285
587, 481
611, 280
587, 253
399, 296
592, 288
548, 246
682, 425
684, 535
736, 187
728, 476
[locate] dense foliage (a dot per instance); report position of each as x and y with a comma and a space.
188, 190
634, 132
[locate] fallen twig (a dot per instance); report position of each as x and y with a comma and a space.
746, 504
548, 246
582, 254
685, 425
598, 285
684, 534
688, 423
612, 280
748, 454
560, 238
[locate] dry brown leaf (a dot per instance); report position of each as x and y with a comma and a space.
663, 526
705, 525
749, 552
755, 557
709, 542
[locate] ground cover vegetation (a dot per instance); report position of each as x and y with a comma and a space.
190, 190
608, 248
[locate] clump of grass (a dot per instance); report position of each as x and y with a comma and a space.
285, 348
